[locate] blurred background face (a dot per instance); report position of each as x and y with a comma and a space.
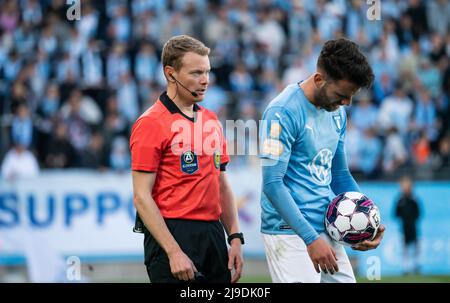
75, 101
53, 92
61, 131
406, 185
23, 112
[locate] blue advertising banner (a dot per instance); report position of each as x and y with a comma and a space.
91, 215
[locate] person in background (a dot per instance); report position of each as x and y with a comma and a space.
408, 211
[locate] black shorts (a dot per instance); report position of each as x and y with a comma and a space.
202, 241
409, 234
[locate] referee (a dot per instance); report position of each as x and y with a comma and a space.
180, 187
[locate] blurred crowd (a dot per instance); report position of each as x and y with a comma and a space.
71, 90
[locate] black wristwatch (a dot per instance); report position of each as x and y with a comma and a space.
236, 235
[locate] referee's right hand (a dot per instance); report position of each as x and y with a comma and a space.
181, 266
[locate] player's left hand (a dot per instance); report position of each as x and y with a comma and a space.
368, 245
235, 260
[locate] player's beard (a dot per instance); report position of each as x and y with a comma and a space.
323, 101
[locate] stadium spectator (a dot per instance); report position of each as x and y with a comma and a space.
120, 26
364, 113
382, 88
75, 45
409, 64
32, 13
95, 155
119, 158
60, 153
83, 107
296, 70
425, 115
300, 25
50, 103
12, 66
444, 152
219, 26
22, 128
438, 14
127, 97
394, 152
92, 66
241, 81
216, 97
422, 150
429, 76
88, 25
118, 64
146, 64
395, 111
19, 163
417, 11
353, 139
9, 16
371, 149
268, 31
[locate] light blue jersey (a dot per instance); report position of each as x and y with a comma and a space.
307, 145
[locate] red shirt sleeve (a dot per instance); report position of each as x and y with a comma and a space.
225, 158
146, 144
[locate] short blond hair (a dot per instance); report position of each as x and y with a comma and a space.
177, 46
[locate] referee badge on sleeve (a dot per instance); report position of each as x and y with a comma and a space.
217, 159
189, 163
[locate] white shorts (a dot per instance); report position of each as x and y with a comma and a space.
289, 261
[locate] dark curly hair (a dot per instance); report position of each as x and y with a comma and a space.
342, 59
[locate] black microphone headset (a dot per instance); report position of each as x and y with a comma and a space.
194, 94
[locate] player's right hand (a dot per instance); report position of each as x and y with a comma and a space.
323, 256
181, 266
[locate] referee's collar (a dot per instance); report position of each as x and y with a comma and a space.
173, 108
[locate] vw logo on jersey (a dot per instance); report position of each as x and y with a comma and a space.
320, 167
189, 163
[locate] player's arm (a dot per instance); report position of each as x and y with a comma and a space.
277, 136
321, 254
342, 181
229, 219
180, 264
276, 191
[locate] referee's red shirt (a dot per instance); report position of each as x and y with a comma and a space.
187, 156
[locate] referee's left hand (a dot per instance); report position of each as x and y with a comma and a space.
235, 259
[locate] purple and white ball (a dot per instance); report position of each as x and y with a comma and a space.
352, 218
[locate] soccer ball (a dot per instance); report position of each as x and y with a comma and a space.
352, 218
